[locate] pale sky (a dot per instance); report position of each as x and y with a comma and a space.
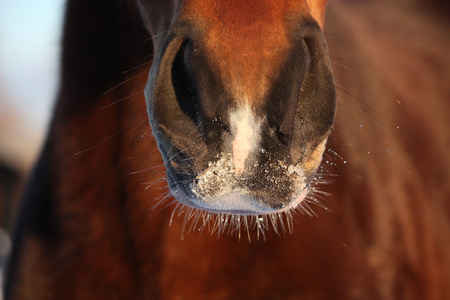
29, 58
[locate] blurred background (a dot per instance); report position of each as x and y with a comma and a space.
29, 58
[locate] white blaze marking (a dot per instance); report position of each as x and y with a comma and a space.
246, 131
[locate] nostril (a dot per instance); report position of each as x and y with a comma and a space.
286, 98
184, 85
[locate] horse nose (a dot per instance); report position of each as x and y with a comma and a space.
250, 127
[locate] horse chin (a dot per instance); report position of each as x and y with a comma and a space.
237, 204
232, 201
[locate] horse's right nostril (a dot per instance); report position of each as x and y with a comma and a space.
184, 85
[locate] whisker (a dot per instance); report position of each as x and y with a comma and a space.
378, 84
124, 82
124, 98
98, 144
142, 120
140, 64
156, 35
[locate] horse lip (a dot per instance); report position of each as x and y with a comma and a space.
241, 207
241, 204
233, 203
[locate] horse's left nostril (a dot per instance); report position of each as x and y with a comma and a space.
285, 96
184, 85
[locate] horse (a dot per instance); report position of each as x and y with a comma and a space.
271, 168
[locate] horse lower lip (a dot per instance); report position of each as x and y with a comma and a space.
237, 204
267, 211
233, 200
